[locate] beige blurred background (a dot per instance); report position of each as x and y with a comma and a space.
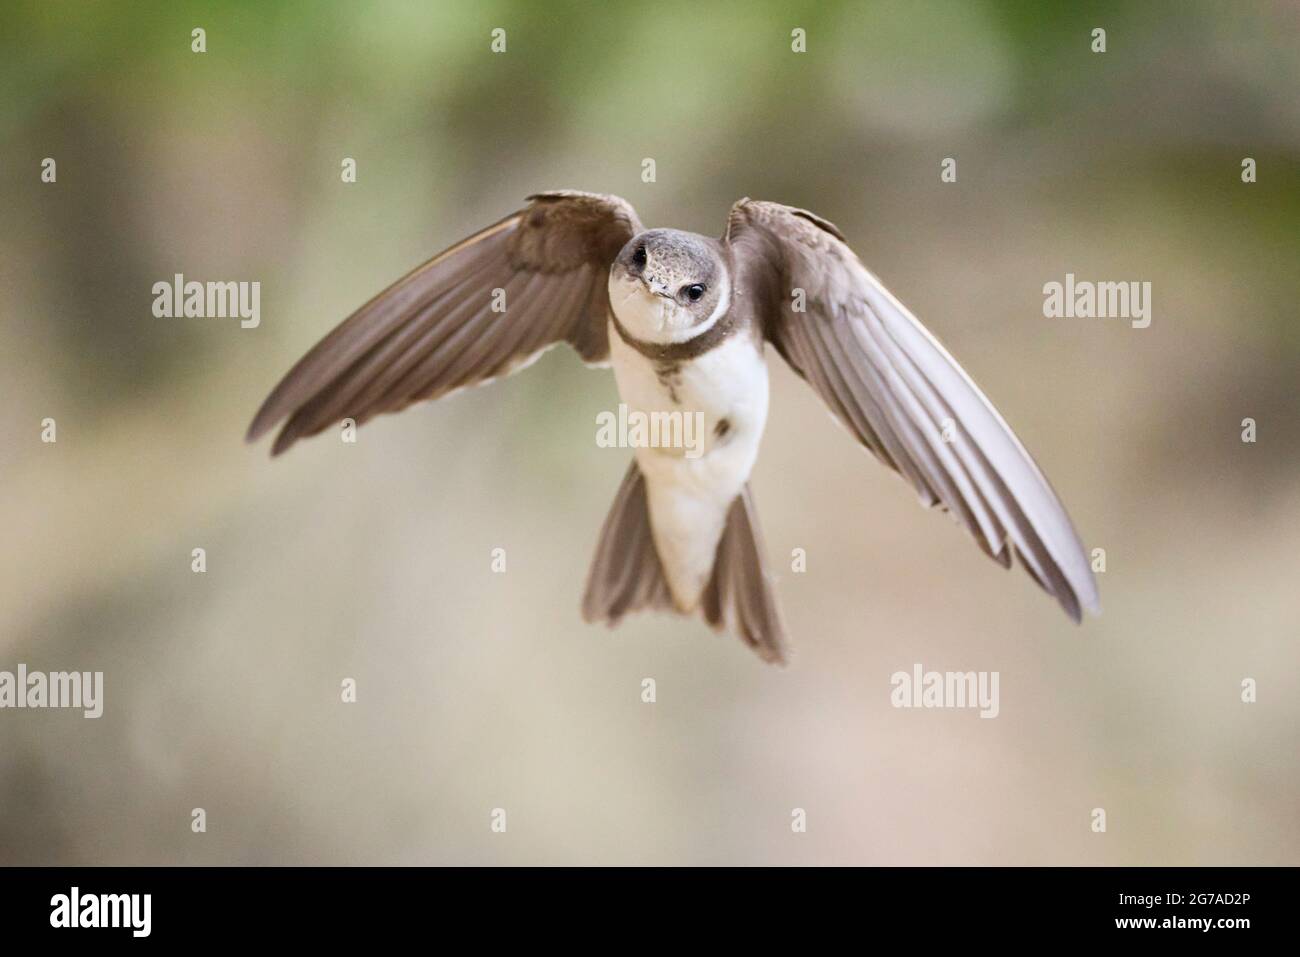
478, 690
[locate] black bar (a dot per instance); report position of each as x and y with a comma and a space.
333, 905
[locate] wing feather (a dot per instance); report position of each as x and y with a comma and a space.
891, 383
435, 330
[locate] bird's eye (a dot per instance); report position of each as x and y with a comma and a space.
693, 293
638, 257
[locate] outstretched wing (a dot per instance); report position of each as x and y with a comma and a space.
487, 306
901, 394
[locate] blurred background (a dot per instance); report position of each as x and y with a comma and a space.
371, 561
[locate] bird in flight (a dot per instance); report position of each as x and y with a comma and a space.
683, 320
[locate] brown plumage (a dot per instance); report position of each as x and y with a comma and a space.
881, 374
894, 387
434, 330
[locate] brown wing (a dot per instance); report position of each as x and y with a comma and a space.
902, 395
482, 309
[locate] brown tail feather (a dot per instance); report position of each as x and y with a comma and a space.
626, 574
739, 595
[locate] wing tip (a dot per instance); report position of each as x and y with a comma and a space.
283, 440
270, 412
256, 429
262, 423
1092, 605
1084, 600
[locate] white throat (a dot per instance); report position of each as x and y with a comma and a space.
652, 318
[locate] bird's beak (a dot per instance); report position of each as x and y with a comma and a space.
656, 288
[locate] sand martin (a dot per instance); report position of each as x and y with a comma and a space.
683, 320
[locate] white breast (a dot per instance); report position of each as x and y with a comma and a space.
689, 497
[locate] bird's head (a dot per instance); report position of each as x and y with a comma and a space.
668, 286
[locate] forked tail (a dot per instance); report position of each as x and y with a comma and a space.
626, 574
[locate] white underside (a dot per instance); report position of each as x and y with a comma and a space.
689, 497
